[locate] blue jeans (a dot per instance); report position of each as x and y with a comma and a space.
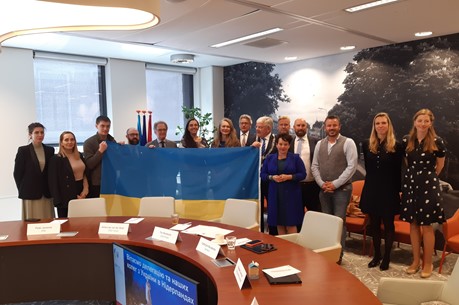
336, 204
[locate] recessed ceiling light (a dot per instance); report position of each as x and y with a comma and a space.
368, 5
248, 37
423, 34
291, 57
347, 48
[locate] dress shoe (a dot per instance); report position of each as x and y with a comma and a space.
412, 269
426, 274
374, 262
384, 264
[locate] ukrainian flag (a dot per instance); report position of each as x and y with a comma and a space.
199, 179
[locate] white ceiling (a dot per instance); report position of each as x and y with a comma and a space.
312, 28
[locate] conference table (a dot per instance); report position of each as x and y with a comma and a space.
48, 267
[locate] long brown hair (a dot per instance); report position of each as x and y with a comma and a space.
61, 149
232, 140
429, 140
390, 136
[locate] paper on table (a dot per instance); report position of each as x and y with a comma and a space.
281, 271
207, 231
134, 220
181, 226
242, 241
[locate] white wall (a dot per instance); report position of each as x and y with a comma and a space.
126, 93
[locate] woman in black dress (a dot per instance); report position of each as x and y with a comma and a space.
421, 198
381, 192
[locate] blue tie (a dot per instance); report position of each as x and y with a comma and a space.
263, 148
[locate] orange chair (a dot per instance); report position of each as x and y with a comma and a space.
358, 224
402, 231
451, 234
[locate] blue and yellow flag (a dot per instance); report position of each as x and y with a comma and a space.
199, 179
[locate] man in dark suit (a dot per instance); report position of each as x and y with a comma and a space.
304, 145
266, 142
246, 137
160, 129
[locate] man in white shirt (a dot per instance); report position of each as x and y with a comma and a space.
304, 145
334, 164
266, 143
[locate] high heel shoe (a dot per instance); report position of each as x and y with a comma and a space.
374, 262
426, 274
413, 269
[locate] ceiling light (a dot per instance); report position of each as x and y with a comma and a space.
248, 37
423, 34
182, 58
21, 17
347, 48
291, 57
368, 5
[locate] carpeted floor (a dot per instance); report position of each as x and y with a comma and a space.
356, 263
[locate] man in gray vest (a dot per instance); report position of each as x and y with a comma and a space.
334, 163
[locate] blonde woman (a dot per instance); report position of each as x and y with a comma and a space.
67, 174
226, 136
421, 199
381, 192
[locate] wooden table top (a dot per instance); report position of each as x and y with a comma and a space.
323, 282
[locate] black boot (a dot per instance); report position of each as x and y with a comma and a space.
385, 263
375, 261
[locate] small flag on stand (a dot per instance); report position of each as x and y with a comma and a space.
143, 137
149, 126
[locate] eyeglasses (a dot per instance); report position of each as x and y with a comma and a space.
133, 134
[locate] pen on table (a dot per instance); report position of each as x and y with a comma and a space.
187, 224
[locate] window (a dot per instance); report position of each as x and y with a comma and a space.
167, 91
69, 96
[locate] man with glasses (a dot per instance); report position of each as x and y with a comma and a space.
132, 135
160, 129
246, 137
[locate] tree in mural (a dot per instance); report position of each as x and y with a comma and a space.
401, 79
252, 88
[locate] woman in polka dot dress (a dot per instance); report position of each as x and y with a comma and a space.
421, 194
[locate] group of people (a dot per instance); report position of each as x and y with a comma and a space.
326, 169
297, 174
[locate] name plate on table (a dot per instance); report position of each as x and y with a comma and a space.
43, 228
166, 235
209, 248
241, 275
110, 228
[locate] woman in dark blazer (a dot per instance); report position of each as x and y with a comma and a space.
284, 171
31, 175
67, 174
381, 192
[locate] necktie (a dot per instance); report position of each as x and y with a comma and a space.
243, 139
263, 147
299, 146
162, 144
